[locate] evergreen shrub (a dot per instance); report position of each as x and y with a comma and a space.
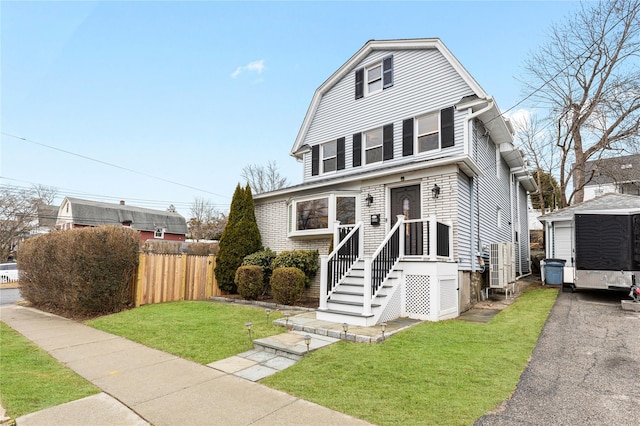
287, 285
305, 260
250, 282
84, 270
240, 238
262, 258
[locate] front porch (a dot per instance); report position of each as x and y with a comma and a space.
411, 274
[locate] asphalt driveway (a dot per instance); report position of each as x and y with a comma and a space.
585, 369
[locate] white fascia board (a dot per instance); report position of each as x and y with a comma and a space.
370, 46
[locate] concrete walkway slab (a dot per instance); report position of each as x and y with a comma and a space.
228, 400
132, 357
154, 381
160, 388
96, 410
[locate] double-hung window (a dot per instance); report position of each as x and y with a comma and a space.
373, 146
329, 157
429, 132
374, 78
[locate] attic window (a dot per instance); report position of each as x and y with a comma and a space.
374, 78
159, 233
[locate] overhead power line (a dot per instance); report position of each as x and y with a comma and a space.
112, 165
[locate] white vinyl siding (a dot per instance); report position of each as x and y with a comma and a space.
466, 254
423, 82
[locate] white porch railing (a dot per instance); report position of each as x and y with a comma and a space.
404, 240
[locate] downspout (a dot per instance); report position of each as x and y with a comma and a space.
475, 184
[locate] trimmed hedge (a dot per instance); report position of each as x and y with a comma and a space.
250, 281
263, 259
287, 285
305, 260
85, 270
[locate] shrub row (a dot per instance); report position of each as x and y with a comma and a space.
87, 270
258, 273
287, 284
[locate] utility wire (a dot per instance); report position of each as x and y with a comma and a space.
112, 165
15, 189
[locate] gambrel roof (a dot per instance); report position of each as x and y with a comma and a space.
96, 213
491, 117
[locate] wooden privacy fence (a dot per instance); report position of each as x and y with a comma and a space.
171, 277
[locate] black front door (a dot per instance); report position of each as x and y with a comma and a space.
405, 201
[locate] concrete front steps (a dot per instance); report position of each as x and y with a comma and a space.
291, 344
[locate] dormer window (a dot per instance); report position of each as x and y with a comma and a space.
374, 77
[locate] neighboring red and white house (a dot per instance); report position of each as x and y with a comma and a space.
152, 224
410, 175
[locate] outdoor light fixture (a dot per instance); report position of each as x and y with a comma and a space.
248, 325
345, 328
268, 311
307, 341
286, 319
435, 190
383, 327
369, 200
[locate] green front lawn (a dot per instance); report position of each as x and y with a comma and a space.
32, 380
448, 373
203, 332
444, 373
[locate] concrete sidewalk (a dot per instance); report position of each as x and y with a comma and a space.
145, 386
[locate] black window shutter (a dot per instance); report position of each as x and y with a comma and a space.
359, 83
315, 160
357, 149
387, 72
446, 127
407, 137
387, 142
340, 154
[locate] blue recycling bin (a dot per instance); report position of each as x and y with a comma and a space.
553, 271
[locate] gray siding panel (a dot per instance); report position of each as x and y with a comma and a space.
525, 249
424, 81
494, 193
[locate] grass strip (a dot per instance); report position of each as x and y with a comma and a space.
31, 380
442, 373
203, 332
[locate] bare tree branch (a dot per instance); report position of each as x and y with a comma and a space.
588, 77
263, 178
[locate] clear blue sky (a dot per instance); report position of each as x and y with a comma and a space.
191, 92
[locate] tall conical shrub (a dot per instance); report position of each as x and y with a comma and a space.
240, 238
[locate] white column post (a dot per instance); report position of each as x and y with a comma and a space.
324, 266
361, 241
433, 238
336, 234
366, 310
450, 225
401, 234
